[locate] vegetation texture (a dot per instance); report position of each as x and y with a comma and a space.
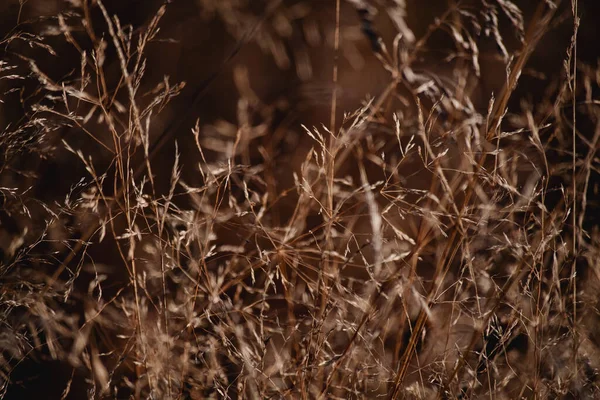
299, 199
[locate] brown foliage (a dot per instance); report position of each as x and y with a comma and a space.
299, 199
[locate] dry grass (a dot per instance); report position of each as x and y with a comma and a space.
345, 199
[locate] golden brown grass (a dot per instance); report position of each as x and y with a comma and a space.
299, 199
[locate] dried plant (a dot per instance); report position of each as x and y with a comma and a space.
299, 199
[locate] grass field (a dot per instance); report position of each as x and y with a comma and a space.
299, 199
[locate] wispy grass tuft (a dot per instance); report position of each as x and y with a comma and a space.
299, 199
